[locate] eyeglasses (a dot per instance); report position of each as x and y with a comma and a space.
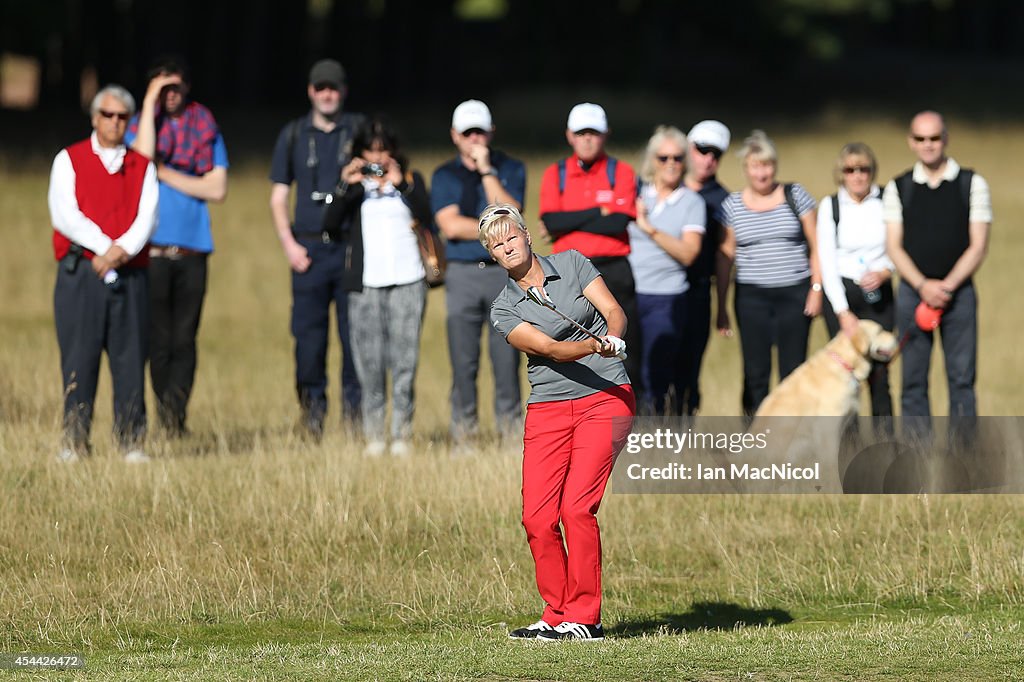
119, 115
473, 131
320, 87
705, 150
929, 138
678, 158
850, 170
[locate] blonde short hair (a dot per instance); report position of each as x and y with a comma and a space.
758, 147
498, 219
661, 133
854, 149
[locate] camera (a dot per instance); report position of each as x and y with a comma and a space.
374, 169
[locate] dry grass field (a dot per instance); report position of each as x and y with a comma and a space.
243, 552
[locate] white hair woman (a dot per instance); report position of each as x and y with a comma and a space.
577, 418
665, 238
855, 270
771, 235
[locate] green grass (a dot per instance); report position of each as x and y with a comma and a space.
244, 552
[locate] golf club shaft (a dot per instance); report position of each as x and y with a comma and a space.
621, 356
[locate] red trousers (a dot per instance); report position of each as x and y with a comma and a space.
569, 448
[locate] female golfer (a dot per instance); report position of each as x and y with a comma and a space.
579, 413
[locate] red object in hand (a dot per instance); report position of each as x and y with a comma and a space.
927, 317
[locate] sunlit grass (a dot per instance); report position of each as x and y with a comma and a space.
244, 528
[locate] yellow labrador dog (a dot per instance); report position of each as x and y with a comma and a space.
828, 383
819, 398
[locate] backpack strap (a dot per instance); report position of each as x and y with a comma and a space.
835, 213
787, 191
610, 168
293, 136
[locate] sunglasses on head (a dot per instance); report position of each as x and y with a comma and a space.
706, 149
495, 212
320, 87
929, 138
850, 170
119, 115
663, 158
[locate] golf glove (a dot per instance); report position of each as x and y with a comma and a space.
619, 345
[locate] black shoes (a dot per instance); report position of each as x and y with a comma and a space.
573, 632
531, 631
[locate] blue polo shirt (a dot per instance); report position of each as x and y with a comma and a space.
453, 183
182, 219
566, 275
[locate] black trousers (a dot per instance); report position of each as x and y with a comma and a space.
767, 317
884, 313
618, 276
92, 317
177, 287
695, 342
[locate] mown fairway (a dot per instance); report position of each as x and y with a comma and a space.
243, 552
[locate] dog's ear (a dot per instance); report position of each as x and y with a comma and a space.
861, 340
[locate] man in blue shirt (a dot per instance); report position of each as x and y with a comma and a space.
460, 190
310, 152
183, 140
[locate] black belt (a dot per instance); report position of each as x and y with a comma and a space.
323, 235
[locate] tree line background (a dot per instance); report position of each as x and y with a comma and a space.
787, 59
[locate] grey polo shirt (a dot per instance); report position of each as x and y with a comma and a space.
566, 275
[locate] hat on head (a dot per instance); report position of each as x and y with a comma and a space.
587, 116
710, 134
471, 114
327, 71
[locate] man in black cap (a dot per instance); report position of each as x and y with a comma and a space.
311, 151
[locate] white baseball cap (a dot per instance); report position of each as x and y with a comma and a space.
587, 116
710, 134
471, 114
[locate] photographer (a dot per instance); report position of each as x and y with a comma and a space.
310, 152
377, 209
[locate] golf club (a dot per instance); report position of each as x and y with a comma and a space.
538, 296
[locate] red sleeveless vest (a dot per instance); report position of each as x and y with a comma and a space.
109, 200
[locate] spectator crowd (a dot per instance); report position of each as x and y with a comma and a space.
361, 228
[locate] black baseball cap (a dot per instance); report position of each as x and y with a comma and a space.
327, 71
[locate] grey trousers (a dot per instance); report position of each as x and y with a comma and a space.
385, 325
470, 290
92, 317
959, 331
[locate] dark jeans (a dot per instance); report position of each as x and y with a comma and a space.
884, 313
767, 317
470, 290
959, 330
177, 287
618, 276
312, 294
662, 325
92, 317
696, 331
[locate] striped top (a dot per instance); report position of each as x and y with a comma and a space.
771, 250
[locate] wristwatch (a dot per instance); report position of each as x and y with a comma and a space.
816, 286
493, 171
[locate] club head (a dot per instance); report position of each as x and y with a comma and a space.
540, 297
